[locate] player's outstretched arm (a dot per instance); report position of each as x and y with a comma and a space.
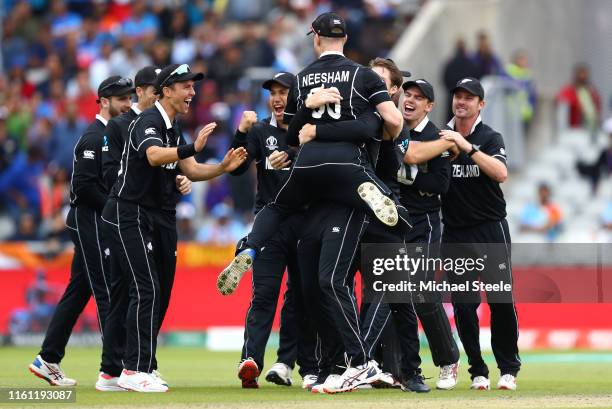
202, 171
419, 152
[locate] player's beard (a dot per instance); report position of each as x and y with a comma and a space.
112, 111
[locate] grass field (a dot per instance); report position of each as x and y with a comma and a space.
200, 378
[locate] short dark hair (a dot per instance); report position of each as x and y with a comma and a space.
397, 78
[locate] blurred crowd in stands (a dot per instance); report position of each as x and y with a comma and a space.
56, 52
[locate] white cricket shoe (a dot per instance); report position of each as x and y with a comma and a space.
332, 381
157, 375
108, 383
353, 377
480, 383
308, 381
382, 206
52, 373
279, 374
140, 382
448, 377
507, 382
232, 274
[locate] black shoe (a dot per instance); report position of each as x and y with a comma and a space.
415, 384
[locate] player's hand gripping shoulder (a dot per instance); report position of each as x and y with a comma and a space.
321, 96
248, 119
233, 158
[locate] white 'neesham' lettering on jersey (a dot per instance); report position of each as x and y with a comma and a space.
325, 77
466, 171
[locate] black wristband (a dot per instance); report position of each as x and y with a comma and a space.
474, 150
185, 151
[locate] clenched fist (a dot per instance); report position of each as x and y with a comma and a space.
249, 118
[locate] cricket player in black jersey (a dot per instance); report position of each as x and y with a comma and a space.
153, 154
474, 211
338, 171
432, 315
165, 239
89, 271
264, 141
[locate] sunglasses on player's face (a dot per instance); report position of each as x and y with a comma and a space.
121, 82
178, 71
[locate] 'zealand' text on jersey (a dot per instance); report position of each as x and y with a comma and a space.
139, 182
473, 197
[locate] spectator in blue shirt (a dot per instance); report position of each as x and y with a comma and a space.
19, 183
142, 25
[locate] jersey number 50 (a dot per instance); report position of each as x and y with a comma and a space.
333, 110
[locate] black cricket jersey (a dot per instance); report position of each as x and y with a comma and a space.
361, 90
473, 197
86, 185
138, 182
433, 176
262, 139
114, 138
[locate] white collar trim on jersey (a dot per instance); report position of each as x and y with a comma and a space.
164, 115
101, 119
323, 54
422, 124
135, 108
273, 121
451, 123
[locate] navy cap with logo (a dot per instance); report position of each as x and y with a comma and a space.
284, 79
423, 85
328, 25
146, 76
471, 85
176, 73
115, 86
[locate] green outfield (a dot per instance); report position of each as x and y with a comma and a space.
200, 378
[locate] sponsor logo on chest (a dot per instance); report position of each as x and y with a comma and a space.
271, 143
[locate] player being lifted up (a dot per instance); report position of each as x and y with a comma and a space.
337, 171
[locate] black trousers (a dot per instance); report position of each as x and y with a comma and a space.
504, 319
444, 350
280, 253
88, 276
334, 232
136, 295
375, 319
320, 175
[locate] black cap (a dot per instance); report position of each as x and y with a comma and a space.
471, 85
176, 73
423, 85
328, 25
284, 79
115, 86
146, 76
